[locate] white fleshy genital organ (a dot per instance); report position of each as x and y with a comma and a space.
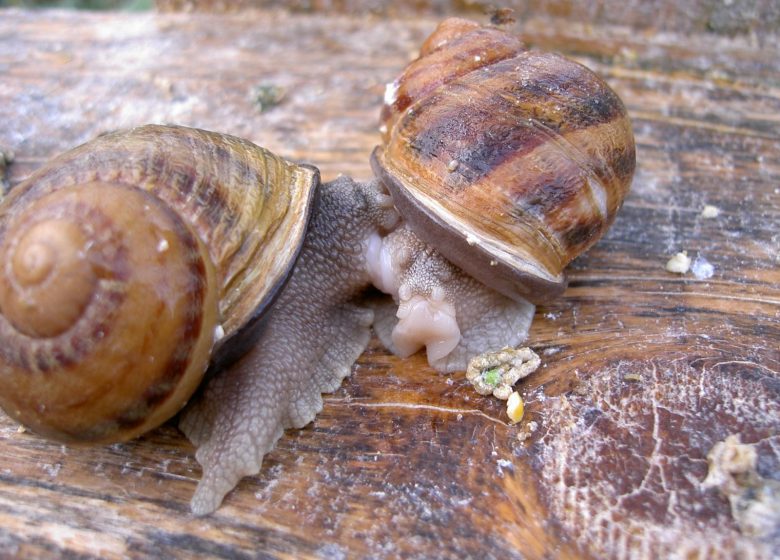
439, 307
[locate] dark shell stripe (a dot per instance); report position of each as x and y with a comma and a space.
533, 102
460, 56
152, 159
455, 113
173, 174
234, 196
561, 190
110, 160
110, 259
188, 333
235, 181
557, 88
271, 172
605, 158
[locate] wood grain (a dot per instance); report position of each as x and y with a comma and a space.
643, 371
758, 19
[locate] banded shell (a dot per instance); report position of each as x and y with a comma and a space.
130, 262
511, 162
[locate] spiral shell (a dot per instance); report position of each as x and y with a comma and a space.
128, 263
511, 162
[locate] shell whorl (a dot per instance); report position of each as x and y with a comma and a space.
528, 154
107, 319
246, 204
123, 258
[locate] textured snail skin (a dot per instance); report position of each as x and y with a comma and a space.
512, 162
438, 306
315, 331
120, 260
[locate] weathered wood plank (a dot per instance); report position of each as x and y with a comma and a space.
756, 20
643, 371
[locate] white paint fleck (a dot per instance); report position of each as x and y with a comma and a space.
702, 268
710, 211
391, 93
502, 464
332, 550
52, 470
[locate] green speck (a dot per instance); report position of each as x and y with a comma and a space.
267, 96
492, 377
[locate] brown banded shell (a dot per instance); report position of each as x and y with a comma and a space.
511, 162
128, 263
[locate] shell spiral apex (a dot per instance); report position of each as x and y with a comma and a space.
518, 160
121, 260
99, 325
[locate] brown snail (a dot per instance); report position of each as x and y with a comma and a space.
510, 162
245, 216
126, 260
519, 159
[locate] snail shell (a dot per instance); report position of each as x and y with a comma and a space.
511, 162
130, 262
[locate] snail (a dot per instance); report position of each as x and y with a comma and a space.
498, 165
510, 162
125, 261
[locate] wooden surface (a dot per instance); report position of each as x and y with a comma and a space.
757, 18
643, 370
